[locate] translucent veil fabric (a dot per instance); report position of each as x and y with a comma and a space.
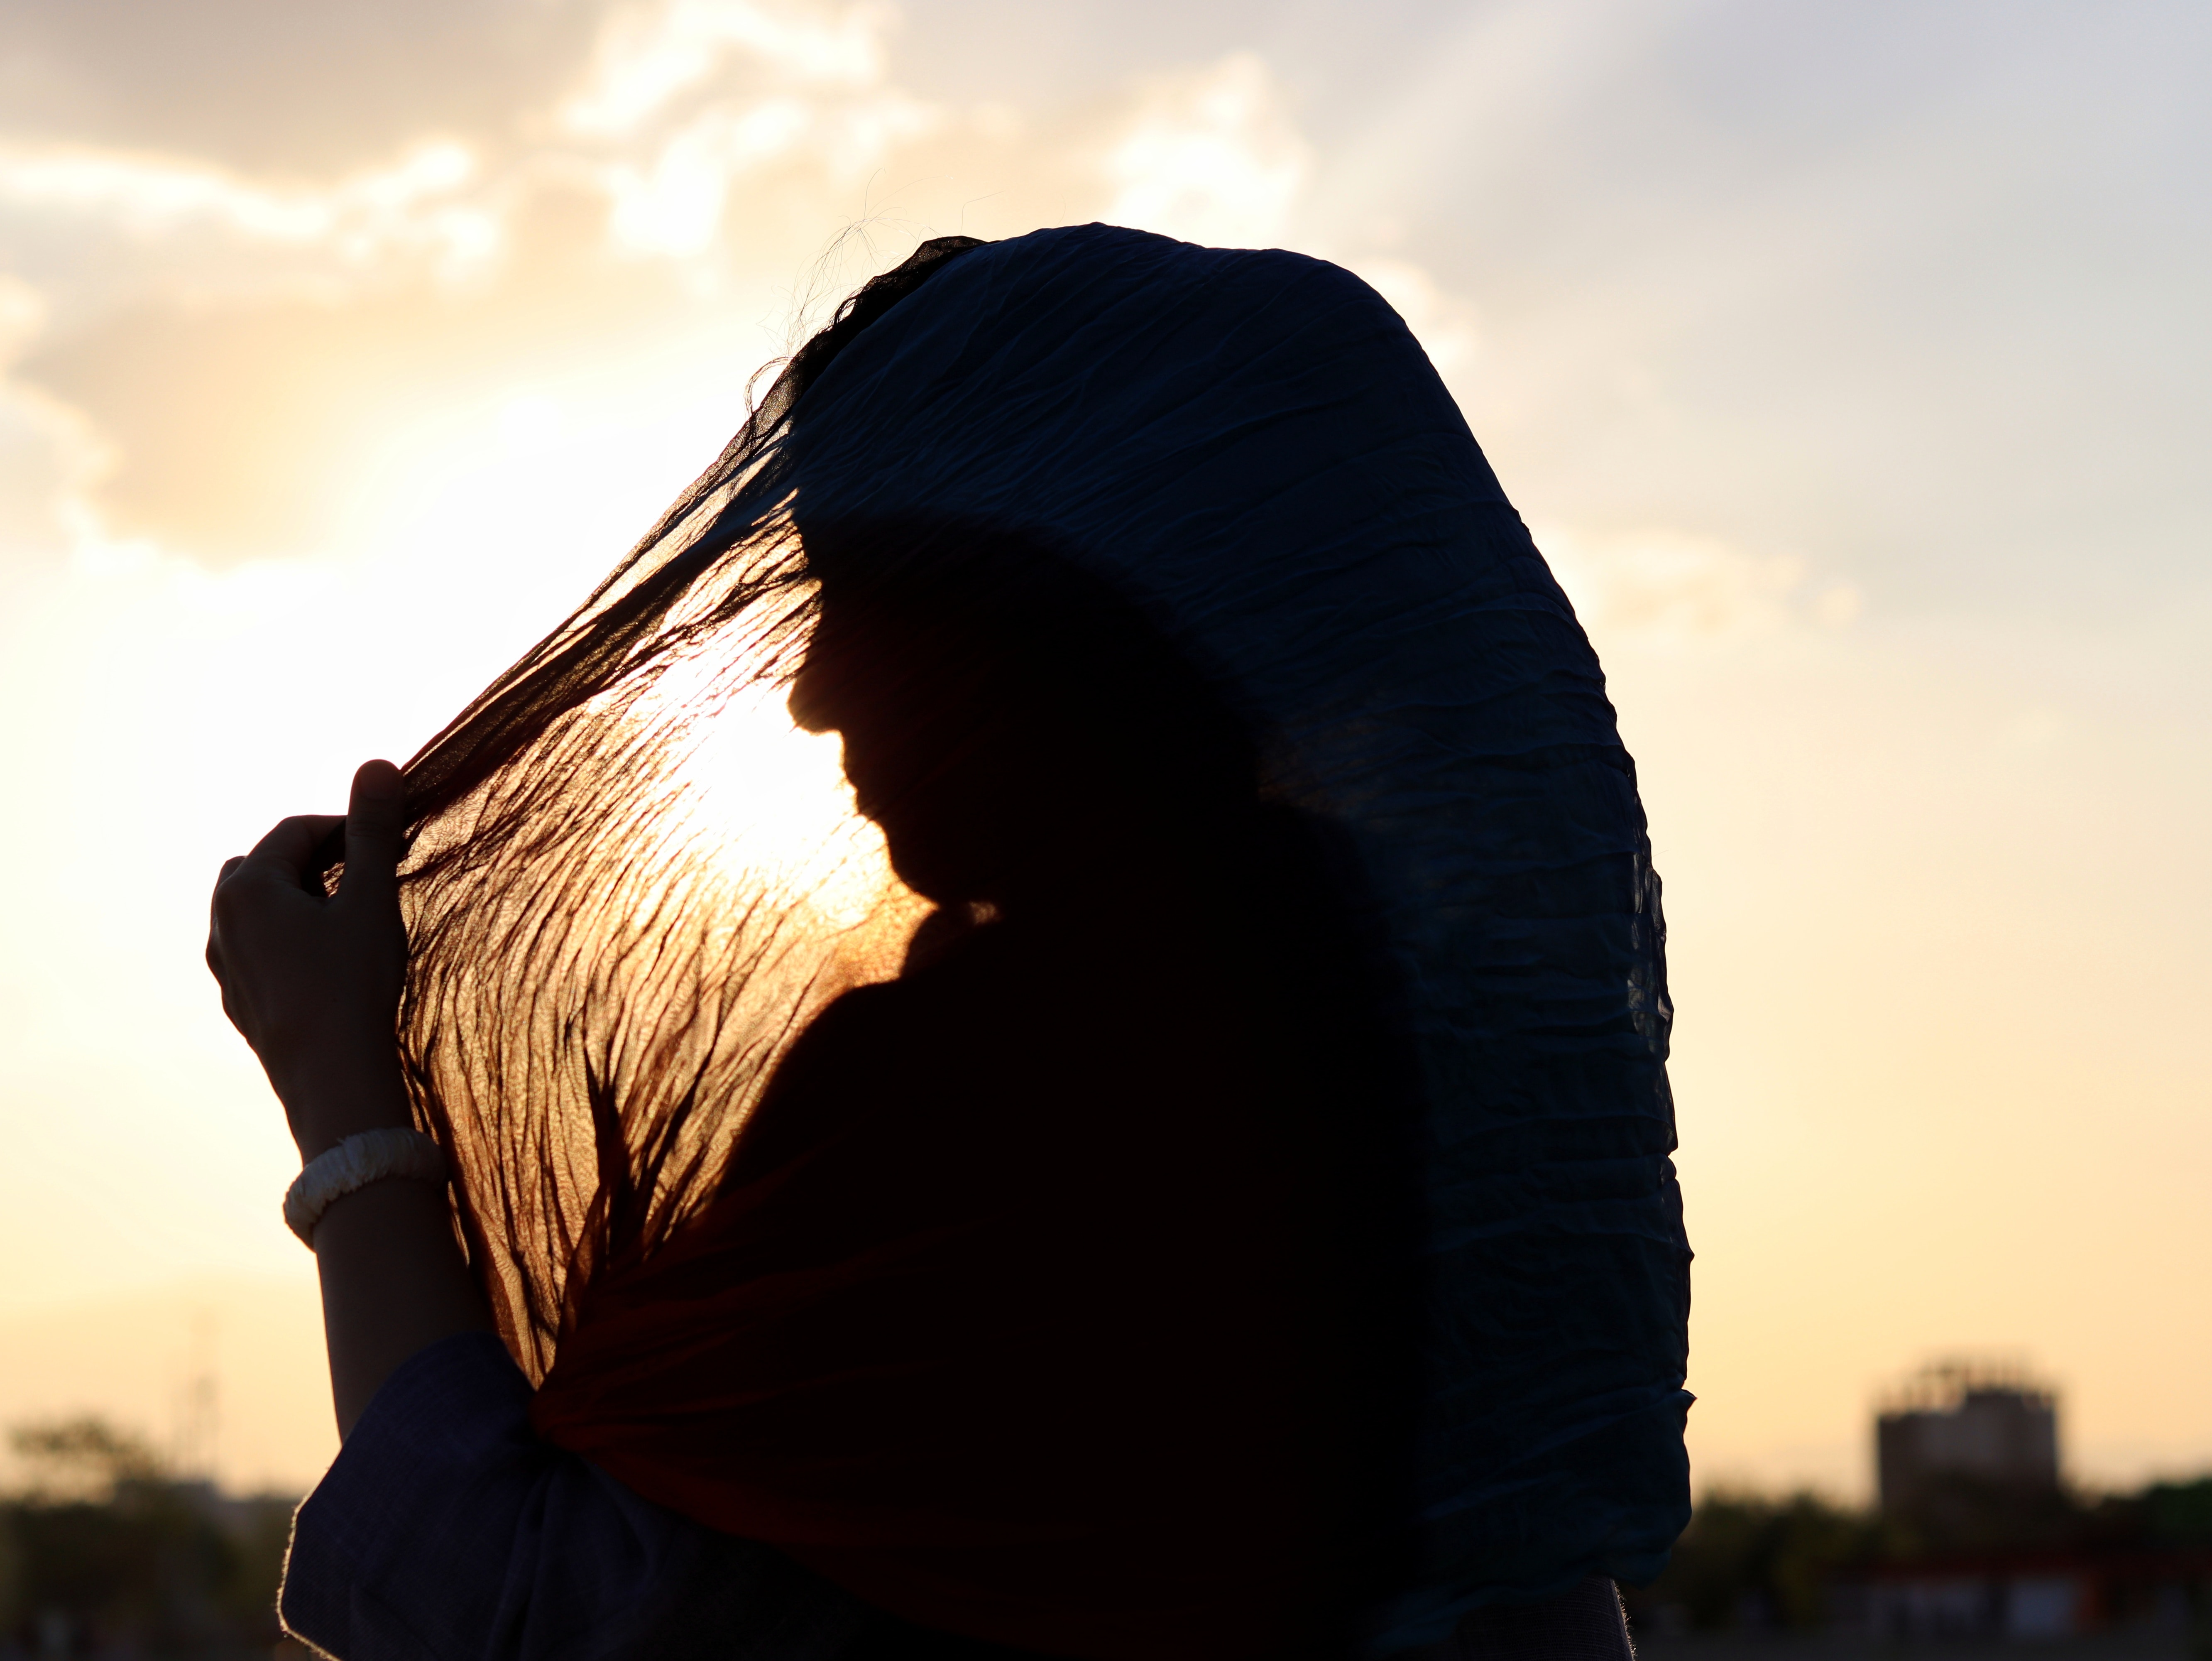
633, 890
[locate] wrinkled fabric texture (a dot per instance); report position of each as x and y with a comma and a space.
1255, 444
1253, 447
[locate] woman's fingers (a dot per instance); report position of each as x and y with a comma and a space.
375, 826
314, 981
290, 847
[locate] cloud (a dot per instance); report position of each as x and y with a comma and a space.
409, 204
1210, 155
672, 105
674, 203
1671, 587
49, 457
298, 91
648, 56
692, 97
235, 352
231, 352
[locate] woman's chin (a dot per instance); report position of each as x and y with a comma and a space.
939, 880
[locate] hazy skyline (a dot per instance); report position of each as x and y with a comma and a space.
1847, 359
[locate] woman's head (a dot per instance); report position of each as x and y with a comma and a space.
1018, 729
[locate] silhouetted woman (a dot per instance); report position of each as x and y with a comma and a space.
1184, 1174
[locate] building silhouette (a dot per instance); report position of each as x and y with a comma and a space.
1965, 1427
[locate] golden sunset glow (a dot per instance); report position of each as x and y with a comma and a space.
1847, 362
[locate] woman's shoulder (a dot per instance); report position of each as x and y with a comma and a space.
947, 970
875, 1048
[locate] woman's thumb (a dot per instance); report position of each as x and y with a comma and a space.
376, 826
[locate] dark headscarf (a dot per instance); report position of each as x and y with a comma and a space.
1283, 1243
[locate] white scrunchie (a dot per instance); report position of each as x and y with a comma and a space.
367, 1156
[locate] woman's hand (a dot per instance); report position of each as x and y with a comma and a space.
313, 982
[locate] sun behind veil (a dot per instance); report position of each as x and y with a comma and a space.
632, 881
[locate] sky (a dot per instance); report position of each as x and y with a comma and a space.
1847, 358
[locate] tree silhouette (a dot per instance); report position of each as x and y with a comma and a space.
102, 1551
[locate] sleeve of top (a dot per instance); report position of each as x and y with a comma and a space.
446, 1531
1584, 1623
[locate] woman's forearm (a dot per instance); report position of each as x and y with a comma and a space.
394, 1281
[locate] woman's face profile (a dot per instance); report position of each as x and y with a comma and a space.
938, 747
1019, 732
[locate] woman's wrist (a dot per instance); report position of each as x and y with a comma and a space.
329, 1102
